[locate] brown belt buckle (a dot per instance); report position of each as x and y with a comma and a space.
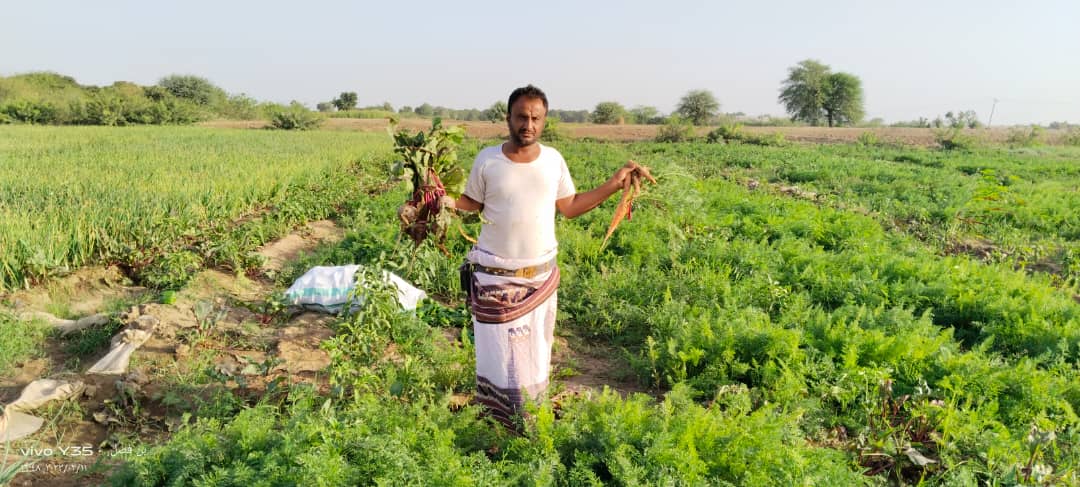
527, 272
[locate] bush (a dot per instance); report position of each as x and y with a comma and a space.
172, 271
1072, 137
1024, 136
27, 111
345, 101
775, 139
192, 88
239, 107
868, 139
553, 131
954, 138
725, 133
105, 108
675, 129
294, 117
608, 113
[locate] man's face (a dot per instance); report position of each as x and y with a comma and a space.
526, 120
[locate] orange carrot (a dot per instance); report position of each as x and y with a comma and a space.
622, 210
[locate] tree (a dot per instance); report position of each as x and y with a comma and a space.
813, 94
803, 92
843, 99
345, 101
425, 110
965, 119
646, 115
324, 106
608, 112
192, 88
698, 106
496, 112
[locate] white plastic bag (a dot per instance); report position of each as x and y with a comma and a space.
327, 289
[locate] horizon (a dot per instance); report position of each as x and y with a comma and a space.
912, 64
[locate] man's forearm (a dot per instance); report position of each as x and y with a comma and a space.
464, 203
584, 202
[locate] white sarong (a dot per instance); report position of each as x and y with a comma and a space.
513, 359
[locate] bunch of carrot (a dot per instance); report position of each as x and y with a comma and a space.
625, 208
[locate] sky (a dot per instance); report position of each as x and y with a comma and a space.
915, 58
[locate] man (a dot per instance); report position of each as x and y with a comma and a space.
511, 277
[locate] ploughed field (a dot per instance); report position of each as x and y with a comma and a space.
804, 314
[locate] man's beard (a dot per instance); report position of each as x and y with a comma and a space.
516, 138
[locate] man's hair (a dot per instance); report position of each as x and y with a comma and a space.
529, 91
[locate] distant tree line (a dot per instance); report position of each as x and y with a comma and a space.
50, 98
812, 94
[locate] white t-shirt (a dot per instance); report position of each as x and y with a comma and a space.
519, 201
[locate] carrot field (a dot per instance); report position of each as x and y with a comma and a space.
799, 314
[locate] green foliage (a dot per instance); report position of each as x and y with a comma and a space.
609, 113
646, 115
812, 93
613, 441
726, 133
173, 271
496, 112
810, 342
675, 129
1072, 137
430, 166
733, 133
869, 139
194, 89
1025, 136
86, 343
10, 467
698, 107
954, 139
239, 107
295, 117
843, 103
803, 91
570, 116
771, 139
922, 122
553, 131
435, 150
52, 99
22, 340
425, 110
962, 119
363, 114
27, 111
135, 195
345, 101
